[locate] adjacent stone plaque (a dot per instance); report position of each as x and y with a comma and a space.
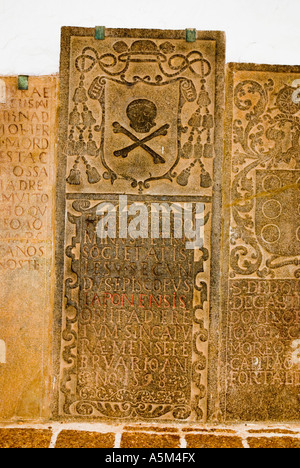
28, 133
138, 224
260, 267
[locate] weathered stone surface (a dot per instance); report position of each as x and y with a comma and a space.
222, 430
141, 116
271, 431
273, 442
143, 440
213, 441
141, 428
25, 438
83, 439
261, 287
28, 133
59, 435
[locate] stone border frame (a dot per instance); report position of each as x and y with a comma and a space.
214, 314
87, 407
231, 68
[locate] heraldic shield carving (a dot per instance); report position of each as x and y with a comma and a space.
141, 133
139, 113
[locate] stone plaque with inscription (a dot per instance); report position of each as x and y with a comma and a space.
28, 133
140, 155
261, 252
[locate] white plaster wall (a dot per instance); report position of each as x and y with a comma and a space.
261, 31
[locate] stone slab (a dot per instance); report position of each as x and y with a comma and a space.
25, 438
213, 442
28, 134
83, 435
273, 443
261, 248
136, 318
141, 440
68, 439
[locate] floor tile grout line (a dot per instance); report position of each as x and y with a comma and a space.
244, 439
118, 437
183, 441
243, 432
55, 434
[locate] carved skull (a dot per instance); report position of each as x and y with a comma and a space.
142, 114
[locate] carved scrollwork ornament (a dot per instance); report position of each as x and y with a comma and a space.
82, 143
265, 137
141, 115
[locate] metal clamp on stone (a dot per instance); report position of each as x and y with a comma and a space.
23, 82
100, 33
191, 35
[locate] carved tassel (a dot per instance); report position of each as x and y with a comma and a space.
204, 99
198, 150
80, 96
70, 148
183, 178
92, 174
88, 118
80, 147
74, 118
208, 121
187, 149
195, 120
74, 177
205, 179
208, 151
92, 149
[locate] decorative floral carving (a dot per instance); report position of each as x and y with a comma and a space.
266, 132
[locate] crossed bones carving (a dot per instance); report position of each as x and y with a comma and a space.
157, 159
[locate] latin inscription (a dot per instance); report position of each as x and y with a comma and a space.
140, 334
140, 136
261, 292
136, 323
264, 321
25, 174
28, 131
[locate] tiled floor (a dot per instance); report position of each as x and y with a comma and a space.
74, 435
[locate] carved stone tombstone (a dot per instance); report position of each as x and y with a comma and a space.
28, 134
138, 224
260, 266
